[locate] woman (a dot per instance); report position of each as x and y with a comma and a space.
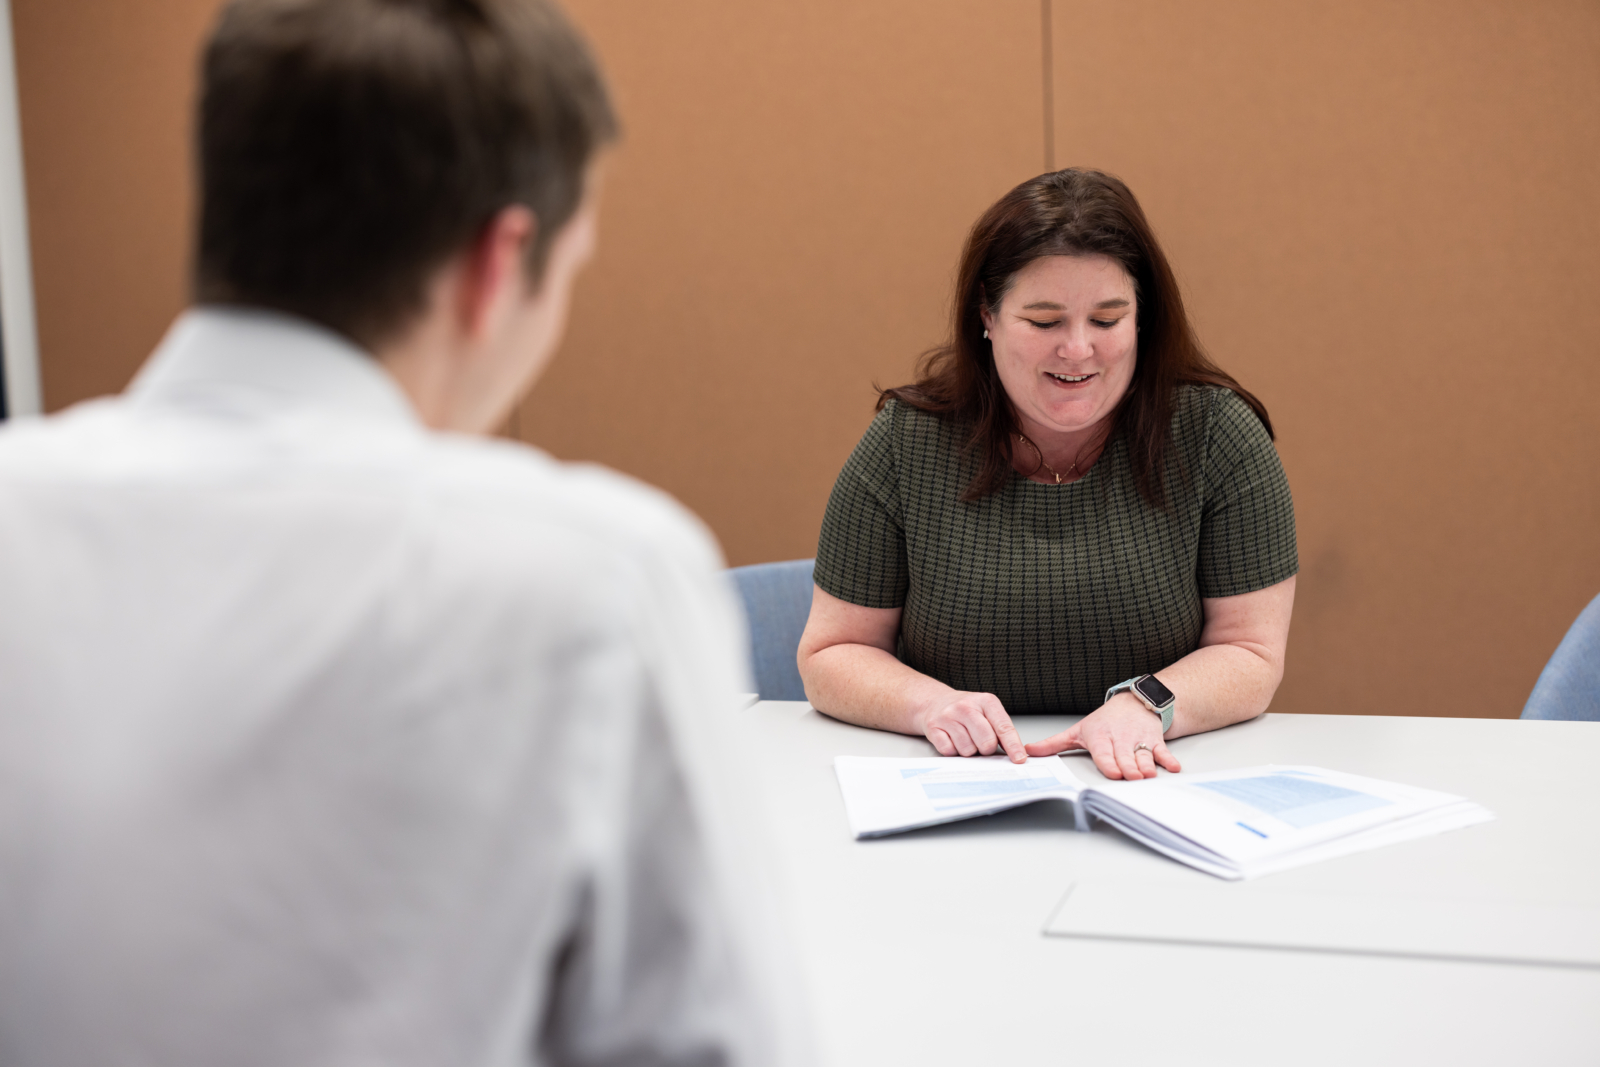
1070, 497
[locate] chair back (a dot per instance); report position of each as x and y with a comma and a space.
1569, 688
777, 601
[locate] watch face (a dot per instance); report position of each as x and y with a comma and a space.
1151, 689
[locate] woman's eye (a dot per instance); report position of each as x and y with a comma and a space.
1105, 324
1044, 325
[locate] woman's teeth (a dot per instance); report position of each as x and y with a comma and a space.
1070, 378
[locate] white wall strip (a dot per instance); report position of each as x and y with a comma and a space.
18, 332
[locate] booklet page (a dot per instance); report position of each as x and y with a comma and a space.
884, 795
1247, 821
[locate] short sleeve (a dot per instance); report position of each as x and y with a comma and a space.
861, 554
1247, 537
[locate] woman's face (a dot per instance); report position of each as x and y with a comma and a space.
1065, 342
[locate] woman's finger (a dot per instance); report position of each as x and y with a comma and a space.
1164, 756
1127, 762
1062, 742
1146, 759
961, 739
1104, 761
941, 741
978, 728
1006, 734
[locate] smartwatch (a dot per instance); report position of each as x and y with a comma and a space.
1157, 697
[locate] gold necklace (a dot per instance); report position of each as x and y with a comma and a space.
1059, 476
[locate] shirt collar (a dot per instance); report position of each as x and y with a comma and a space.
223, 354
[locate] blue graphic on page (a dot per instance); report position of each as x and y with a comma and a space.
1296, 800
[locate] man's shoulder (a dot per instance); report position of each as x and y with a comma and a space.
572, 548
520, 488
53, 442
489, 511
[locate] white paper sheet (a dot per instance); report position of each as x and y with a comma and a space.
1374, 924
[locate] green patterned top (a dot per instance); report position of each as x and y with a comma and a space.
1047, 595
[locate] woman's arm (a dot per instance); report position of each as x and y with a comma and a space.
850, 671
1229, 678
1233, 674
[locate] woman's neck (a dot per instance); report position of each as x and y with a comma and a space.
1053, 456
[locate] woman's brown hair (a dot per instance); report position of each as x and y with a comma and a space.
1067, 213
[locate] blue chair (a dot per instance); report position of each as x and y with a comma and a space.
1569, 688
777, 601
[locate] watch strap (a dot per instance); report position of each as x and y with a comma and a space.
1165, 712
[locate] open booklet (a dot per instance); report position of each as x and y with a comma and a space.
1233, 824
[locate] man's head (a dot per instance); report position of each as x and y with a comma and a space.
350, 150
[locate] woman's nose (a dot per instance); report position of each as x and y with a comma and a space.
1076, 344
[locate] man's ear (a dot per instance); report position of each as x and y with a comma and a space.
492, 277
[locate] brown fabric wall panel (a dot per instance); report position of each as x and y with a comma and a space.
1384, 216
1387, 223
781, 228
105, 88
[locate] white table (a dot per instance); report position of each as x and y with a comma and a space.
926, 948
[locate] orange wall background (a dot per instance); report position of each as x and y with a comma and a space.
105, 89
1384, 217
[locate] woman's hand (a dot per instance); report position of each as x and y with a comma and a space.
1112, 734
970, 724
847, 662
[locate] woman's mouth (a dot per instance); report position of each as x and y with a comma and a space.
1070, 379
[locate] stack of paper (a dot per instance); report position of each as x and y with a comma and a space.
1233, 824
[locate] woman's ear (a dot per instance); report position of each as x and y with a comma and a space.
983, 309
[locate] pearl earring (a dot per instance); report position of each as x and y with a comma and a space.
985, 335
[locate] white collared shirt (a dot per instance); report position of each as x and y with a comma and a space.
327, 739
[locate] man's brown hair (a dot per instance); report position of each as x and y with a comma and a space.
348, 148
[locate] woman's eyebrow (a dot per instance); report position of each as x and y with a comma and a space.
1050, 305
